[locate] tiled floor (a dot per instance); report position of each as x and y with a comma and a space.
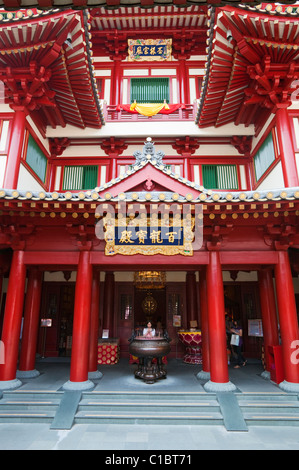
109, 437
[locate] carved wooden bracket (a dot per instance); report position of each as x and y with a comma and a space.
58, 146
27, 87
272, 84
186, 145
242, 143
113, 146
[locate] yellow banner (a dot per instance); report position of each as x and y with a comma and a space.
148, 109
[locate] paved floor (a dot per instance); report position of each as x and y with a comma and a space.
114, 437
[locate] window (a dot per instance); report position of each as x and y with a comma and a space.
264, 157
220, 176
80, 177
149, 90
36, 159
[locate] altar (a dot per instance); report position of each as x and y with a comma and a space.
192, 341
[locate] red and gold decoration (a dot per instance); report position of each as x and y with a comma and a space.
108, 352
149, 49
192, 341
151, 109
149, 280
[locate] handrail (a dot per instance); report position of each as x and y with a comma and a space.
115, 113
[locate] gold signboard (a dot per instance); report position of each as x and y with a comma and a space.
149, 49
146, 237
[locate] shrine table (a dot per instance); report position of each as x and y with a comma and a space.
192, 342
108, 351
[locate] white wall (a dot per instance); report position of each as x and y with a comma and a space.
26, 181
274, 180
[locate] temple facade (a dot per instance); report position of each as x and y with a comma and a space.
149, 164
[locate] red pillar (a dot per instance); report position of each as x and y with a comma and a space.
81, 326
183, 80
31, 325
15, 150
116, 81
217, 333
12, 320
94, 327
204, 326
191, 298
288, 321
108, 310
268, 309
287, 154
113, 166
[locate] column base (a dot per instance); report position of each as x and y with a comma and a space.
95, 375
202, 375
289, 387
10, 384
86, 385
266, 375
27, 374
219, 386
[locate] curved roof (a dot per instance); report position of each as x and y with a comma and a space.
113, 4
245, 48
50, 51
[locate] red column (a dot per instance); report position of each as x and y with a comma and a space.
288, 321
108, 308
12, 320
116, 81
204, 326
81, 326
94, 327
15, 150
287, 154
31, 325
268, 309
191, 298
183, 80
113, 166
217, 333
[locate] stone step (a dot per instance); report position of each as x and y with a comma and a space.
28, 406
153, 397
267, 397
149, 417
143, 406
271, 419
31, 394
26, 416
271, 407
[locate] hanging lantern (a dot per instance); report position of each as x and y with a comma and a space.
149, 280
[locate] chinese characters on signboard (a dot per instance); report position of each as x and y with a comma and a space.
149, 239
167, 236
149, 49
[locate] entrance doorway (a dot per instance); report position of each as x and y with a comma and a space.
57, 311
135, 307
242, 304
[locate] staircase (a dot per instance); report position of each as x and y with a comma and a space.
149, 408
29, 407
62, 410
269, 408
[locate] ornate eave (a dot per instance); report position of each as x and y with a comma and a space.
53, 47
239, 39
115, 4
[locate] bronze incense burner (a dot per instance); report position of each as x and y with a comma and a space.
150, 352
